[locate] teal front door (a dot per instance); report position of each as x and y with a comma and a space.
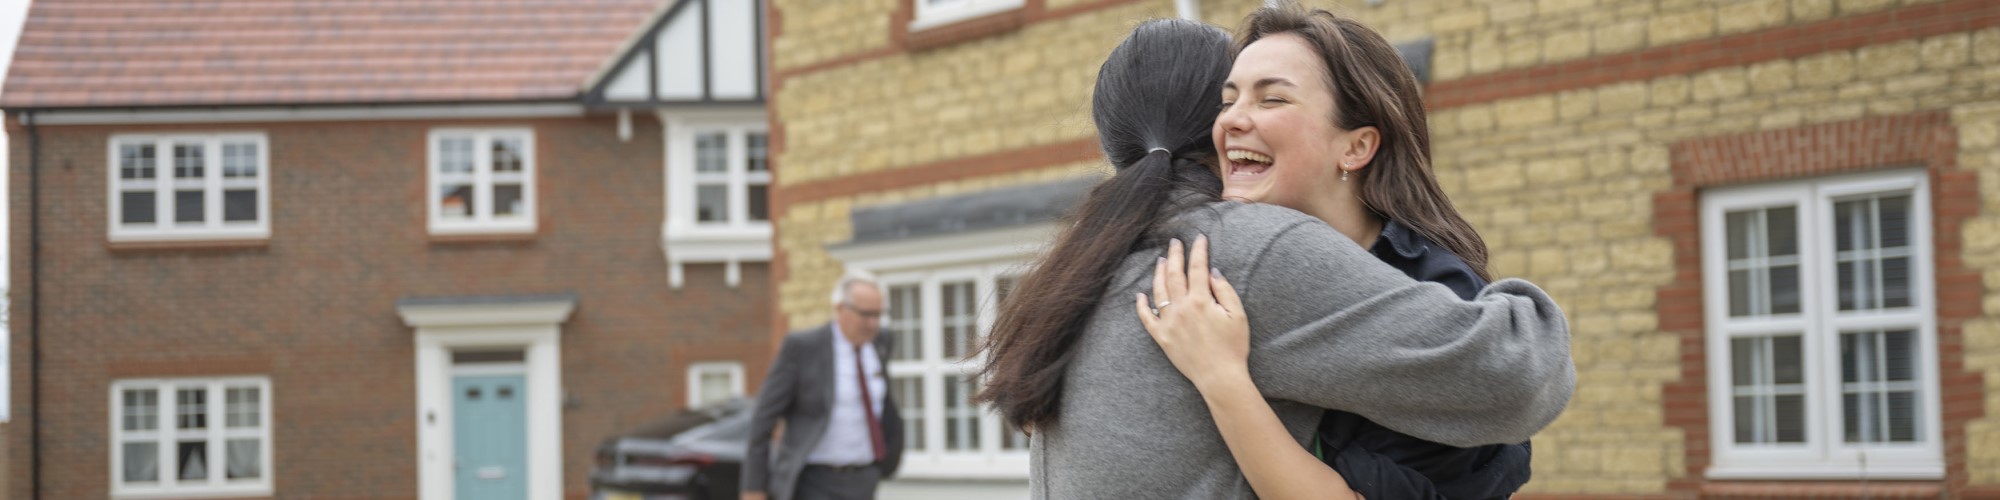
490, 436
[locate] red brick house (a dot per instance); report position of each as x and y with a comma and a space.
421, 249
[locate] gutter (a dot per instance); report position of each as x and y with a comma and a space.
34, 302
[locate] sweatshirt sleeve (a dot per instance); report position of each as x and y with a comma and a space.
1336, 328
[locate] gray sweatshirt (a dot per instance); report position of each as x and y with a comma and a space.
1331, 327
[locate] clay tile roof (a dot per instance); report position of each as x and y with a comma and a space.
126, 53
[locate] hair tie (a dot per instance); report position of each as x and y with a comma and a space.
1159, 150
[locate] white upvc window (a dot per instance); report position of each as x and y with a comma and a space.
191, 437
937, 317
711, 382
1822, 344
933, 13
188, 187
481, 181
718, 191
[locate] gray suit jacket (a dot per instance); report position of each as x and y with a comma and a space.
799, 390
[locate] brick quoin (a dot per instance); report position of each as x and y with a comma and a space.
313, 307
1925, 139
1844, 33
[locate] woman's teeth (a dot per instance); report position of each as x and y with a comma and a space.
1241, 155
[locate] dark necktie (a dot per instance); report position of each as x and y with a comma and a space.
874, 425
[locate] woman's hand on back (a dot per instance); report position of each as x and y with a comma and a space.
1198, 320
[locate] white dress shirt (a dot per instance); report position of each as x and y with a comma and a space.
846, 441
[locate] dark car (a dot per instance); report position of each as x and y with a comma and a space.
695, 454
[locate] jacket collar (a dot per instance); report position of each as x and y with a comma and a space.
1401, 239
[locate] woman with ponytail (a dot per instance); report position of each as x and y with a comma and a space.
1330, 326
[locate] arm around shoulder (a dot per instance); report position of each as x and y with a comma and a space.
1335, 327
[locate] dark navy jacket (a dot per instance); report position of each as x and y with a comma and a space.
1382, 464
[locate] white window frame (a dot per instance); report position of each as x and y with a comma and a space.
1824, 454
686, 240
980, 256
482, 179
734, 369
932, 366
931, 16
217, 434
164, 185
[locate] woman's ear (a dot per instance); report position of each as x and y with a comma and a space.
1361, 146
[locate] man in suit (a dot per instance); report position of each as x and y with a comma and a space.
842, 432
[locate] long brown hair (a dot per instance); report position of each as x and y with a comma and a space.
1153, 105
1373, 88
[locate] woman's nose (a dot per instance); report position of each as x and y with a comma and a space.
1233, 120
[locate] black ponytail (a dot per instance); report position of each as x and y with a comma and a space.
1154, 104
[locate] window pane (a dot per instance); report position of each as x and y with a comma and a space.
188, 206
507, 155
192, 460
1878, 400
1896, 282
142, 462
239, 205
142, 409
191, 408
1767, 378
1763, 261
245, 456
455, 201
961, 417
1787, 363
244, 408
1857, 285
1739, 293
759, 156
239, 160
909, 394
906, 321
455, 155
136, 161
961, 318
507, 200
759, 198
715, 387
711, 152
1849, 226
711, 203
1737, 227
1789, 418
188, 161
136, 207
1784, 289
1783, 233
1895, 221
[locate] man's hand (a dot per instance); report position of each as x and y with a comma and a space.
753, 495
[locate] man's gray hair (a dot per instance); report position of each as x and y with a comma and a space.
847, 282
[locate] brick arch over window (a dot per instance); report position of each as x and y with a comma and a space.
1926, 139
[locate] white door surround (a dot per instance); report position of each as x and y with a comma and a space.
529, 323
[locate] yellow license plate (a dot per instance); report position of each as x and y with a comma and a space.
620, 495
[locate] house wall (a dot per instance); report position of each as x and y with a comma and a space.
314, 307
1565, 130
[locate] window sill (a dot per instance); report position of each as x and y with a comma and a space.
939, 31
1824, 489
477, 238
191, 245
727, 245
178, 493
483, 232
1917, 472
